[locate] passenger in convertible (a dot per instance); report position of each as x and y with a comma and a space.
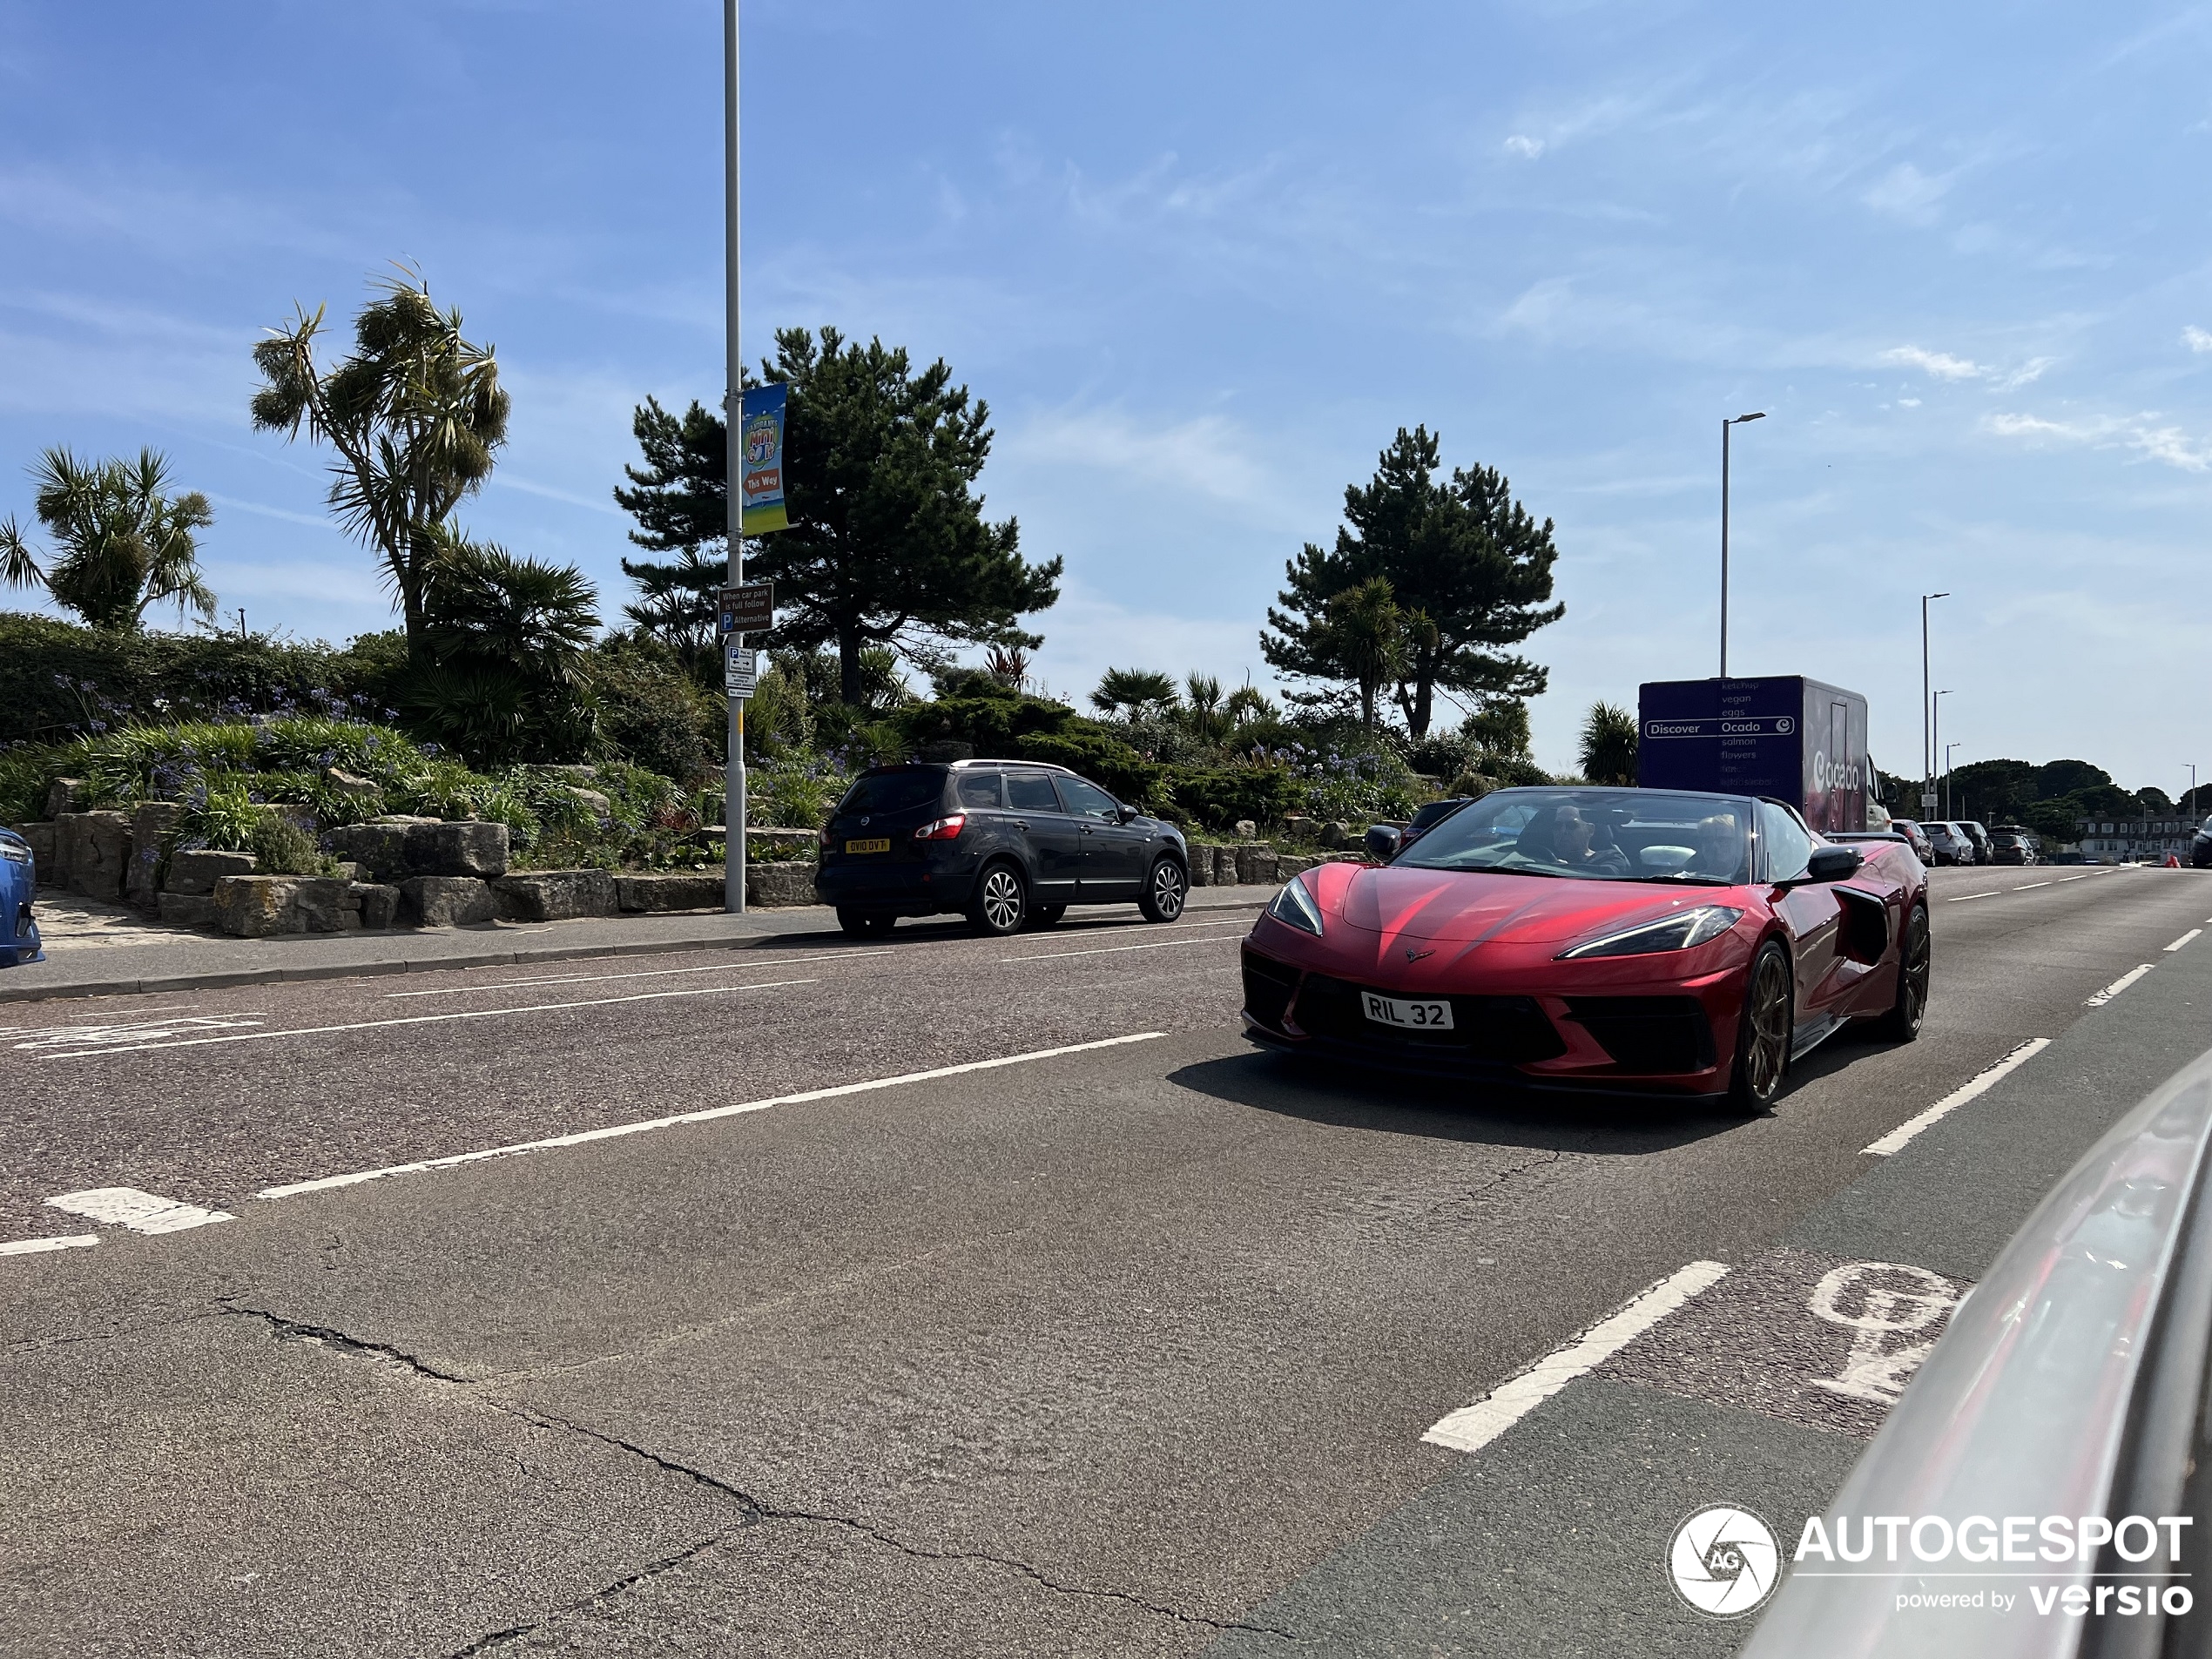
1562, 837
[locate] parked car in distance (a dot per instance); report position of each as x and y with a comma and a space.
2200, 848
1910, 828
1949, 844
2011, 844
1427, 816
1979, 835
19, 887
1004, 842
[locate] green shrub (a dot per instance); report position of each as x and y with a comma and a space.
1219, 796
1106, 761
281, 847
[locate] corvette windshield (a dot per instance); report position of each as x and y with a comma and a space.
1595, 835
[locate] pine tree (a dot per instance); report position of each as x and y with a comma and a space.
1469, 568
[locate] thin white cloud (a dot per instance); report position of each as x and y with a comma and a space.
1208, 456
2168, 445
2027, 372
1941, 364
1524, 147
2197, 339
1904, 193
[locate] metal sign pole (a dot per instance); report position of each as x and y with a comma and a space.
734, 803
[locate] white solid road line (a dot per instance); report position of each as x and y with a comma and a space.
142, 1212
1106, 950
1895, 1140
706, 1115
650, 973
65, 1241
426, 1019
2185, 939
1473, 1427
2117, 986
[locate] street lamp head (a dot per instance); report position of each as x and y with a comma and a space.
1740, 419
1935, 595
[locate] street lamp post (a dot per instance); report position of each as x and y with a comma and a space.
1947, 748
1927, 730
733, 779
1738, 421
1935, 740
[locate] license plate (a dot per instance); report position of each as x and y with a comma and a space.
1425, 1016
878, 846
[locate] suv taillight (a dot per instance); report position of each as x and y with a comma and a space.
945, 829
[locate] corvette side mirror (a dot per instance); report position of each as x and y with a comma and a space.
1833, 863
1381, 842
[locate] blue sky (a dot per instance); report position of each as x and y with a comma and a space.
1202, 261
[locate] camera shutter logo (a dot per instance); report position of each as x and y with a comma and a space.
1724, 1561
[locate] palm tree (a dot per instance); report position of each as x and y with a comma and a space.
416, 414
1366, 635
1610, 744
124, 543
1202, 711
1135, 690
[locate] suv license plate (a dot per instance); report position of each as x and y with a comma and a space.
1429, 1014
878, 846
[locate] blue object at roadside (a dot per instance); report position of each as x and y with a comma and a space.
18, 880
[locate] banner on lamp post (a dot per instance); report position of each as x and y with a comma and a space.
760, 429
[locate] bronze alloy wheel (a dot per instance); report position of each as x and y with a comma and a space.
1763, 1039
1915, 958
1000, 900
1165, 890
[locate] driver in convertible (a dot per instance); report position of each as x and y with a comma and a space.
1720, 848
1561, 836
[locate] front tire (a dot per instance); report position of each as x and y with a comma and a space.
1915, 957
1763, 1031
1167, 888
1001, 904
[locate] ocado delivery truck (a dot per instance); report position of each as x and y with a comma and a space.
1784, 736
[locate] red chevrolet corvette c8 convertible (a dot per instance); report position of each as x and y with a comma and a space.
1645, 940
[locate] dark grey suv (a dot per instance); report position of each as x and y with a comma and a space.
1004, 842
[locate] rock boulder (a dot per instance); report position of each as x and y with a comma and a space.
447, 901
151, 828
662, 891
555, 895
95, 849
772, 886
195, 873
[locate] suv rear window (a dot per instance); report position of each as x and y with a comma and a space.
894, 791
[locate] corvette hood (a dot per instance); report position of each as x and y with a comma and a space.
1464, 907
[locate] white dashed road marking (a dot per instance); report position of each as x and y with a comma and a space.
93, 1038
1473, 1427
706, 1115
33, 1246
142, 1212
1108, 950
424, 1019
2024, 887
1965, 897
2117, 986
2185, 939
1895, 1140
651, 972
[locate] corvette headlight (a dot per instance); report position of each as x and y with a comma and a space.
1295, 905
1679, 932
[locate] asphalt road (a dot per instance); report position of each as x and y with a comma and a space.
1114, 1337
